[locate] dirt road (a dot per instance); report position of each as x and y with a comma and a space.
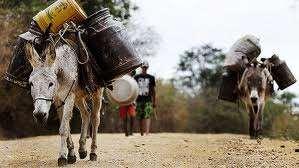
157, 150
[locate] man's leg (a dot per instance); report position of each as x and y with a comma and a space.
126, 125
131, 125
141, 125
147, 126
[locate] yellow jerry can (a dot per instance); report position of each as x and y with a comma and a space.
58, 13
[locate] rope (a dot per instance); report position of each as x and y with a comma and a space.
73, 28
63, 102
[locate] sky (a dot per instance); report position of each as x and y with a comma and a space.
183, 24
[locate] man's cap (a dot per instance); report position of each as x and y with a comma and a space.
145, 64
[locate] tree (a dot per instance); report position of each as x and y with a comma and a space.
145, 39
172, 108
200, 67
287, 98
120, 9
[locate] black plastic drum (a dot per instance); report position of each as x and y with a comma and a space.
283, 75
110, 45
19, 68
228, 88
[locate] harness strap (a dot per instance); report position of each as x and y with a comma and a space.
73, 28
51, 100
68, 93
43, 98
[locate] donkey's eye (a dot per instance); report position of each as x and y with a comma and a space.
51, 84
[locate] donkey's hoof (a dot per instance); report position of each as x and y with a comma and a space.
252, 137
83, 154
93, 157
71, 159
62, 162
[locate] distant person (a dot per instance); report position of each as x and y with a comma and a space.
127, 114
146, 100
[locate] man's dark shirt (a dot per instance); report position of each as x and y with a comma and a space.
146, 85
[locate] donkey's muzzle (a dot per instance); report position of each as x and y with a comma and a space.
254, 100
40, 117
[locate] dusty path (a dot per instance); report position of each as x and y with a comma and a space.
157, 150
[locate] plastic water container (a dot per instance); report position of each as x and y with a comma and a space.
125, 91
58, 13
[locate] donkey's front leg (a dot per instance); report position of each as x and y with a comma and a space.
259, 121
71, 157
95, 121
64, 129
85, 116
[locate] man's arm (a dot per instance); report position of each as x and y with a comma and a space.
154, 97
154, 91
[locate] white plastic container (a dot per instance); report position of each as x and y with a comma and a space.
125, 91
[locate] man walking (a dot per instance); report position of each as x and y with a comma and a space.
127, 114
146, 100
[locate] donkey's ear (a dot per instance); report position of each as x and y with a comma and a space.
32, 55
50, 54
248, 65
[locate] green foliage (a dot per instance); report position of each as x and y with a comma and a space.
209, 115
172, 108
119, 8
287, 97
200, 67
278, 123
26, 8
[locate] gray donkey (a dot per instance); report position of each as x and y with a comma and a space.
54, 79
255, 87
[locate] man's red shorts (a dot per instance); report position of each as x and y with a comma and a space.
129, 109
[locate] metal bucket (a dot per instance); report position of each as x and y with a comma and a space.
228, 88
282, 75
58, 13
110, 45
253, 52
125, 91
34, 33
19, 68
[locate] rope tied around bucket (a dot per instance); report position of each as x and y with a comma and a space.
78, 30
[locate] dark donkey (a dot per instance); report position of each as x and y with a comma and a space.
255, 87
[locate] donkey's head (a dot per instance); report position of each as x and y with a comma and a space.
43, 80
253, 85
